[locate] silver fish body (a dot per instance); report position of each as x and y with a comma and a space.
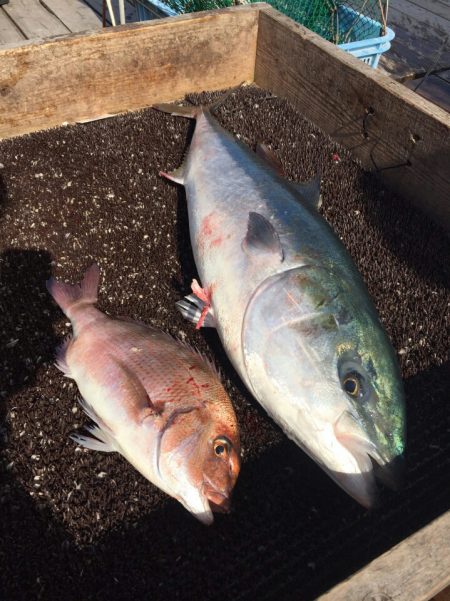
291, 309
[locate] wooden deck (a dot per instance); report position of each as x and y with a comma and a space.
22, 20
420, 52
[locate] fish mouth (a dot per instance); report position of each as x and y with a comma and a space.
370, 466
219, 500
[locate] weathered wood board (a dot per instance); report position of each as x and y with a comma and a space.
414, 570
388, 127
85, 76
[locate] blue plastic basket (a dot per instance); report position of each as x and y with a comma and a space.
370, 49
349, 23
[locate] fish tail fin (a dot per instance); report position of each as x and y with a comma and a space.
67, 295
191, 111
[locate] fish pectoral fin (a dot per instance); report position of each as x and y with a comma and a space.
191, 308
310, 191
264, 152
261, 237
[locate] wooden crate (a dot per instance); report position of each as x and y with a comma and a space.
388, 127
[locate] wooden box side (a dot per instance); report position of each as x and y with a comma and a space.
414, 570
82, 77
385, 125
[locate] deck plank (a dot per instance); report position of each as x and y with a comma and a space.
75, 15
33, 20
432, 88
409, 13
9, 34
438, 7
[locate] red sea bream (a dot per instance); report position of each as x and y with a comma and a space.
291, 309
154, 400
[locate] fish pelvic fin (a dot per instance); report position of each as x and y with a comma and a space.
100, 441
67, 296
102, 438
192, 308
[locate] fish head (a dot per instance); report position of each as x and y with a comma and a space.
321, 364
199, 458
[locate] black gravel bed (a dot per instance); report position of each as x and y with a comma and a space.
77, 524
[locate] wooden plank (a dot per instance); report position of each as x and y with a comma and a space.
9, 33
75, 14
442, 596
438, 7
423, 36
33, 20
433, 88
407, 13
414, 570
126, 68
384, 124
407, 55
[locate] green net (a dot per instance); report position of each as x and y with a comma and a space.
337, 22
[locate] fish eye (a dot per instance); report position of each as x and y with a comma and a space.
221, 446
351, 385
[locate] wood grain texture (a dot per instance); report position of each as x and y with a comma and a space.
74, 14
33, 20
414, 570
126, 68
442, 596
387, 126
9, 33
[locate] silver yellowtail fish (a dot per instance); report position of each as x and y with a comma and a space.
154, 400
291, 309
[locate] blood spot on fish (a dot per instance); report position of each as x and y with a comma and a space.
205, 385
191, 379
168, 389
217, 241
207, 225
192, 367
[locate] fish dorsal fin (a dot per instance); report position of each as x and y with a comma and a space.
261, 237
264, 152
310, 191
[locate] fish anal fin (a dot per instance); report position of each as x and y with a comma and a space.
61, 361
310, 191
264, 152
261, 237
